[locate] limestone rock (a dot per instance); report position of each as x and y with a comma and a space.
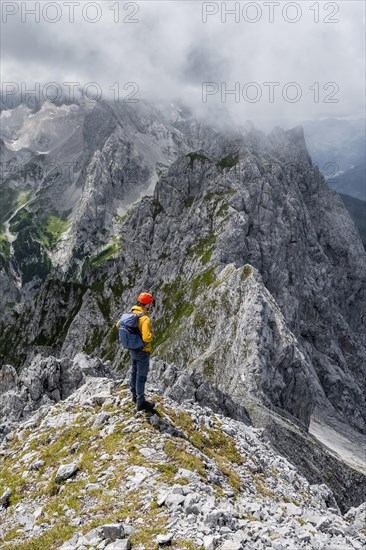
45, 381
4, 499
65, 471
164, 539
113, 531
124, 544
358, 517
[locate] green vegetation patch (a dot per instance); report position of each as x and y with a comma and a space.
216, 203
53, 229
178, 302
177, 453
23, 219
23, 197
188, 544
48, 231
247, 272
124, 217
94, 340
204, 248
164, 256
157, 209
31, 256
223, 209
168, 472
188, 201
214, 444
106, 254
196, 156
229, 161
7, 203
202, 282
4, 251
53, 538
209, 196
34, 237
209, 367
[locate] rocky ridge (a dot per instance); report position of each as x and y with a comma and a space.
258, 272
264, 205
89, 472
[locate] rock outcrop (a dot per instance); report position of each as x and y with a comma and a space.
183, 477
45, 382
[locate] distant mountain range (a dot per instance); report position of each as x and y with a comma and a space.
338, 147
357, 210
352, 182
336, 140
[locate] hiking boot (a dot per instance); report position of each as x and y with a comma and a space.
134, 397
147, 406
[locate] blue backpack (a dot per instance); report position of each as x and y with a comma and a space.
128, 331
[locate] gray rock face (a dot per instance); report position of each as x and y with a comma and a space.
254, 358
44, 382
189, 383
65, 471
84, 163
4, 499
358, 517
113, 531
270, 200
10, 294
37, 465
124, 544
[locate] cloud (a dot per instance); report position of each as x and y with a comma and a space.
169, 52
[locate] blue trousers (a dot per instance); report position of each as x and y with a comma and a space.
140, 361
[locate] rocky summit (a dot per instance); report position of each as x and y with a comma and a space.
259, 350
90, 473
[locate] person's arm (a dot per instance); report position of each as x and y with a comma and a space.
146, 333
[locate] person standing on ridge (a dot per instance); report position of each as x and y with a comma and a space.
140, 358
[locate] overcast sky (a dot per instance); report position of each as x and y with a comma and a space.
169, 52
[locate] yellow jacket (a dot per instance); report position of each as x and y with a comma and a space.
144, 326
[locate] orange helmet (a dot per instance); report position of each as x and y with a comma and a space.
145, 298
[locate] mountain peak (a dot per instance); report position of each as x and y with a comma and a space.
290, 143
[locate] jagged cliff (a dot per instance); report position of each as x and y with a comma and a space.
69, 173
258, 271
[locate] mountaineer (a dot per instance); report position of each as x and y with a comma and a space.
135, 334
